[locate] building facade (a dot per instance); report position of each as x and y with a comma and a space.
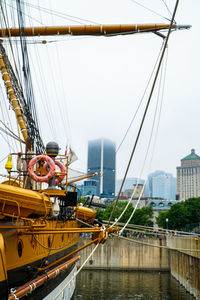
161, 185
101, 158
164, 186
188, 177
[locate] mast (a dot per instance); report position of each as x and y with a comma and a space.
97, 30
12, 96
25, 119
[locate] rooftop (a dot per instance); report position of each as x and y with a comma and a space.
191, 156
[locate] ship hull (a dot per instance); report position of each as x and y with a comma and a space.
67, 291
21, 266
19, 276
51, 288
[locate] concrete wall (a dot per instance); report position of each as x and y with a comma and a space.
185, 265
118, 254
121, 254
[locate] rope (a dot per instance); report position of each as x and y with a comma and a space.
139, 103
58, 294
158, 246
152, 230
147, 151
147, 106
50, 248
84, 223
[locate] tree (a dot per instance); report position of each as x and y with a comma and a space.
161, 219
141, 216
180, 214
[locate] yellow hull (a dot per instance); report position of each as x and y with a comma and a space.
23, 249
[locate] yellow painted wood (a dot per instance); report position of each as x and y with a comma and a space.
3, 268
16, 200
85, 29
34, 249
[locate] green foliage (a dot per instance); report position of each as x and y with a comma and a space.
81, 200
99, 214
181, 214
141, 216
161, 219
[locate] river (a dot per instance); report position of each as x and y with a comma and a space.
114, 285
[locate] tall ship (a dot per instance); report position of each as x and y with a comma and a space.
40, 217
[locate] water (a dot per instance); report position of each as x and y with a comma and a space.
114, 285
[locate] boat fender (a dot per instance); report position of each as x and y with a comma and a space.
51, 166
62, 169
56, 209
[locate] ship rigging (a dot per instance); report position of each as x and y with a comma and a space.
40, 220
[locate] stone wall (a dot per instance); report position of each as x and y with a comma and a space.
185, 265
121, 254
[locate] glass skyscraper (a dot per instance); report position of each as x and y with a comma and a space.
161, 185
101, 158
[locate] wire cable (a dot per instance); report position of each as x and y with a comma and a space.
149, 9
146, 109
148, 147
148, 83
59, 14
170, 14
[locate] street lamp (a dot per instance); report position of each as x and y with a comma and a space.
166, 224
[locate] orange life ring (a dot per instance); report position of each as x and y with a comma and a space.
50, 163
62, 169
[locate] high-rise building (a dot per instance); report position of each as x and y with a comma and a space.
188, 177
149, 185
161, 185
164, 186
101, 158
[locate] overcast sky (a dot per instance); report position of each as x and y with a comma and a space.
100, 81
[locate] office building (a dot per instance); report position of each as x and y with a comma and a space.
164, 186
188, 177
149, 184
161, 185
101, 158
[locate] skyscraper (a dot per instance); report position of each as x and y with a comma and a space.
149, 185
101, 158
164, 186
161, 185
188, 176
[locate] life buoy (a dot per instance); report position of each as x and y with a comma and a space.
48, 161
62, 169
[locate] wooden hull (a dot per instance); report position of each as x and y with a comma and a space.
50, 288
24, 254
36, 247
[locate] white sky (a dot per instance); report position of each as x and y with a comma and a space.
99, 82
